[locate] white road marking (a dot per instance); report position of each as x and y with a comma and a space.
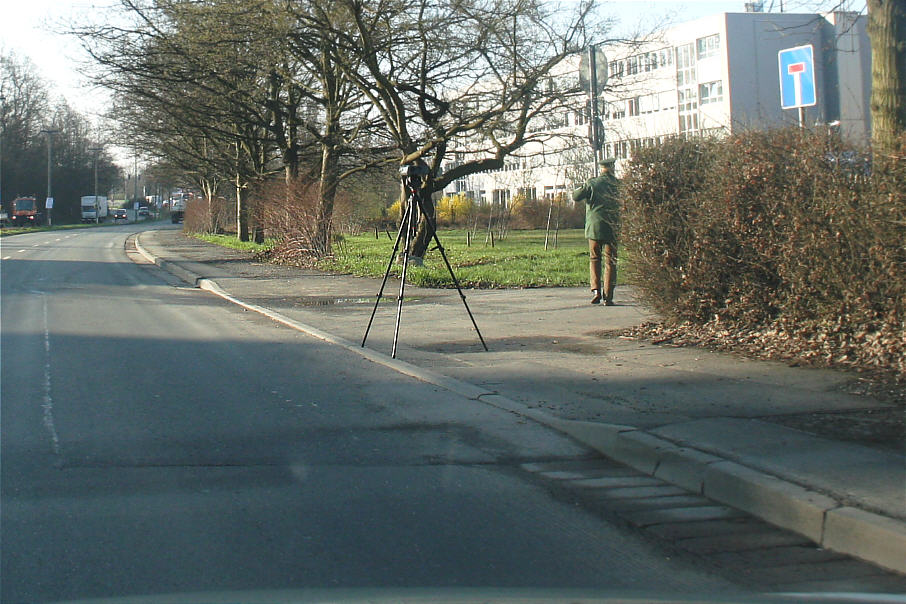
6, 258
47, 403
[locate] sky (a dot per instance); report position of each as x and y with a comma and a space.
27, 28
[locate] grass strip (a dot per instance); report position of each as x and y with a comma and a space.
519, 260
231, 241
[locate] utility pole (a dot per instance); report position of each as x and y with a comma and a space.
593, 78
48, 205
593, 114
96, 150
135, 183
2, 113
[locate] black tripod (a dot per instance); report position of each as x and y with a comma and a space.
414, 208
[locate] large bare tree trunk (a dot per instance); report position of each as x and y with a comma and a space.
242, 212
326, 197
887, 32
424, 234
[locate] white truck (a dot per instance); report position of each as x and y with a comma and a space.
177, 209
94, 208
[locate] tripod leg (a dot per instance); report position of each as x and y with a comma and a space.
380, 294
411, 211
443, 254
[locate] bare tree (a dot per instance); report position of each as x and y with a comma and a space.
190, 71
341, 112
439, 72
253, 77
26, 108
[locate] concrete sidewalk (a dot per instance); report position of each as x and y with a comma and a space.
705, 421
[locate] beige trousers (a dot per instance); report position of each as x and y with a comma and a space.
610, 267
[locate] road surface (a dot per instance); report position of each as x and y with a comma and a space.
156, 440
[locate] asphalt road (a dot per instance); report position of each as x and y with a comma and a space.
156, 439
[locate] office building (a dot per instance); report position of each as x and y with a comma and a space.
712, 76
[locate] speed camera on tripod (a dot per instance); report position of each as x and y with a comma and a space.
412, 175
411, 170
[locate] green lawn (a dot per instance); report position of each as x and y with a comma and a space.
10, 230
232, 241
518, 261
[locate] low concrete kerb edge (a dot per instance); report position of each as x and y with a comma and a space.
171, 267
866, 535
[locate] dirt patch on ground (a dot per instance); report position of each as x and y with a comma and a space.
882, 427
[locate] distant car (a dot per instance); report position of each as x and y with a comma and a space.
143, 211
120, 215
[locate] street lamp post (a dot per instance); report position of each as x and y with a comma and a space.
135, 184
96, 150
49, 132
593, 77
2, 113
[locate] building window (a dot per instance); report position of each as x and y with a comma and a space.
710, 92
667, 100
665, 57
707, 46
632, 106
685, 65
687, 100
684, 56
649, 103
688, 123
614, 111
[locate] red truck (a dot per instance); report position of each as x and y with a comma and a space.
24, 212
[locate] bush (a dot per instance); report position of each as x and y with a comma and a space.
289, 215
770, 231
454, 210
209, 216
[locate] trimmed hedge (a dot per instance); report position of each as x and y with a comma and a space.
774, 231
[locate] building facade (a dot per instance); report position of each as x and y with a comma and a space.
711, 76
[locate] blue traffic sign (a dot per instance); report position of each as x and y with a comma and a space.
797, 77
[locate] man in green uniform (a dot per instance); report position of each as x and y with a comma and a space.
602, 215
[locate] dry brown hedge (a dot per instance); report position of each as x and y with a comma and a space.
779, 233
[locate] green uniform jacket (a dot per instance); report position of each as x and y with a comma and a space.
602, 208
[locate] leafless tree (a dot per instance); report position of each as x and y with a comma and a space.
439, 72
